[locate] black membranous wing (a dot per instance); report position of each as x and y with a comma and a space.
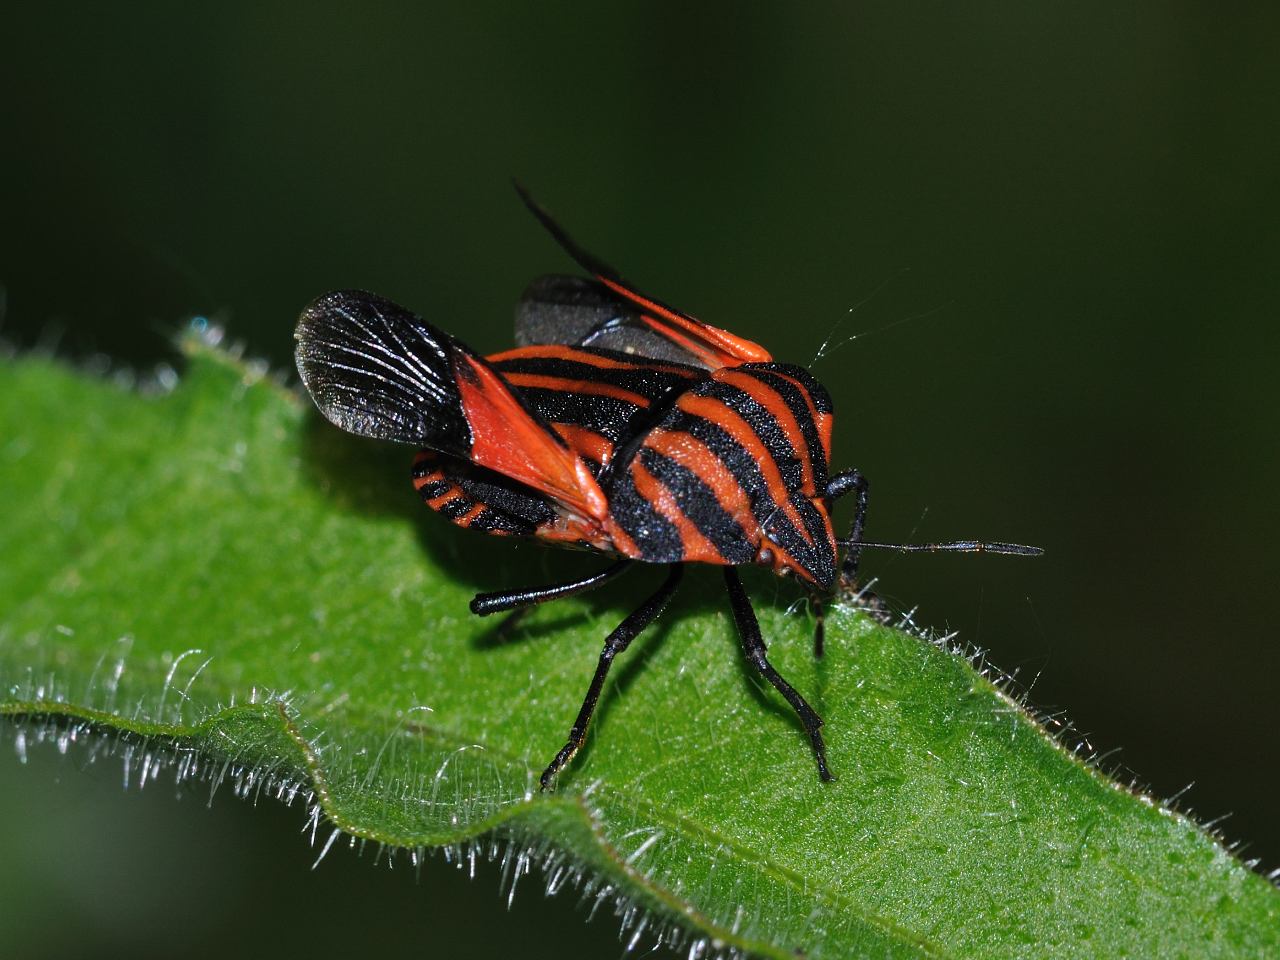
575, 311
375, 369
378, 370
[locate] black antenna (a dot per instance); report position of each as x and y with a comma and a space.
956, 546
586, 261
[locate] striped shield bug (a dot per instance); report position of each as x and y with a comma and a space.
619, 425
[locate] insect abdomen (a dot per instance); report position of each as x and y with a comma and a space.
479, 499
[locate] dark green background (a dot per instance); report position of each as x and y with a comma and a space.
1081, 199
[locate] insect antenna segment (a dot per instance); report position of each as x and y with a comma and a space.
954, 546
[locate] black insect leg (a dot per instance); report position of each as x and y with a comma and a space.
483, 604
614, 644
851, 481
754, 648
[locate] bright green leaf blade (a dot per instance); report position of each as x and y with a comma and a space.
216, 572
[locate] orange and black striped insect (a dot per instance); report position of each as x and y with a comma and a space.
618, 425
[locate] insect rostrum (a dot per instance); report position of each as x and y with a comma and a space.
617, 424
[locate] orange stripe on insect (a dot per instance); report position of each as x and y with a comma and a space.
821, 420
696, 547
588, 443
620, 541
777, 408
434, 477
569, 385
453, 493
733, 424
466, 518
692, 454
575, 355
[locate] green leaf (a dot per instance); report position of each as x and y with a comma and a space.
233, 588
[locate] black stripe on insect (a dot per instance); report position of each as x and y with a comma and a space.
617, 424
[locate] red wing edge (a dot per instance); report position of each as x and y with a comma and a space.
508, 439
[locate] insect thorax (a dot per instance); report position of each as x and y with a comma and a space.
733, 473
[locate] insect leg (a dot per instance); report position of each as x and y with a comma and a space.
483, 604
838, 486
753, 648
614, 644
